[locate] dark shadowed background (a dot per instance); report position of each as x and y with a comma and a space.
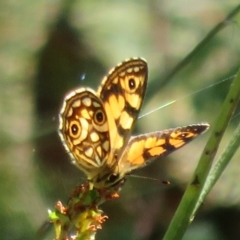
50, 47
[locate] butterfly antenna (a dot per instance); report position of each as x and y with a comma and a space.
152, 179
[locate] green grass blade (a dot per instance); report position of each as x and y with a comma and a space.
183, 215
219, 166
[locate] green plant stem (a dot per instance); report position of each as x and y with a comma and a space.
183, 215
219, 166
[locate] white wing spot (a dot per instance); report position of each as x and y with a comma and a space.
87, 102
136, 69
99, 151
70, 112
122, 74
106, 146
94, 137
89, 152
129, 70
115, 80
98, 160
76, 103
96, 104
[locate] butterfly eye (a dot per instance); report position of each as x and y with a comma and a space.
74, 129
99, 117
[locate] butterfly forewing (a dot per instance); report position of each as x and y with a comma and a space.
122, 92
84, 130
143, 149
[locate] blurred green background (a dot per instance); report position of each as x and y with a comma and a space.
50, 47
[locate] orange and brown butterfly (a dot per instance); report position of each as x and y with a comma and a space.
95, 127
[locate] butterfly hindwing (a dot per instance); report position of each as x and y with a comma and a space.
84, 130
143, 149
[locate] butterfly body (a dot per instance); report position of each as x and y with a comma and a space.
95, 127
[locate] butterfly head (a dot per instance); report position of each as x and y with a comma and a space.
109, 179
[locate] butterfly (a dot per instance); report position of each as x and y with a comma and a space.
95, 127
